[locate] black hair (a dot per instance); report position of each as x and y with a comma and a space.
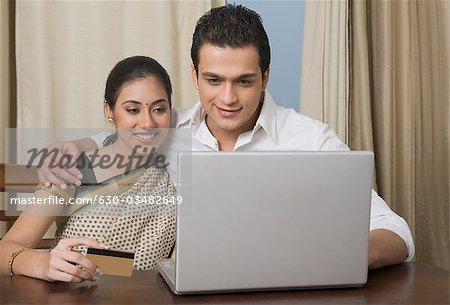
130, 69
133, 68
232, 26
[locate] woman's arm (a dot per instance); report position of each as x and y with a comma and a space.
60, 264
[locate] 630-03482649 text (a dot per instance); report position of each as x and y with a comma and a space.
132, 200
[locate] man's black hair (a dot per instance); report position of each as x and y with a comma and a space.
232, 26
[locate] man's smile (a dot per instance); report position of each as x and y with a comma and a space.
228, 112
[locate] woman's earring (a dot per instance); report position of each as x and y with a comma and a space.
111, 120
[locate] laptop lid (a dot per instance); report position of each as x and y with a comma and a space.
272, 220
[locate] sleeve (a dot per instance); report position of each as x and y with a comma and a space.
100, 138
382, 217
329, 140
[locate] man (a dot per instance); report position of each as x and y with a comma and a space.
231, 56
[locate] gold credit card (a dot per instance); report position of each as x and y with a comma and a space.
112, 262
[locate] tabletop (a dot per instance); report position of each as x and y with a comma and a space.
408, 283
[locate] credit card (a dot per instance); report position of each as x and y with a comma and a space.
112, 262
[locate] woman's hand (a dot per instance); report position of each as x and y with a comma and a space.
66, 265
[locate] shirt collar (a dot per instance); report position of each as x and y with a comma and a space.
190, 117
266, 120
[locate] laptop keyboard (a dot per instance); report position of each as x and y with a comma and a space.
169, 267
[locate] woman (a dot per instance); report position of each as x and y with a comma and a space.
138, 102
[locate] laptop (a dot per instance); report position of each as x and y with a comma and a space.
270, 221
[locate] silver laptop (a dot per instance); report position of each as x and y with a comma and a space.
270, 221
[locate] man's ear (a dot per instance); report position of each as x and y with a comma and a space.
265, 78
194, 77
107, 110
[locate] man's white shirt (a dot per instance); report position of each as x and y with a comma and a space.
277, 129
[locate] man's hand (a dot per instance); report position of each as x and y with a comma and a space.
50, 173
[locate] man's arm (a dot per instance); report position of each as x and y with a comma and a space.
390, 240
85, 144
386, 248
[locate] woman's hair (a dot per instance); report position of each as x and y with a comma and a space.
131, 69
